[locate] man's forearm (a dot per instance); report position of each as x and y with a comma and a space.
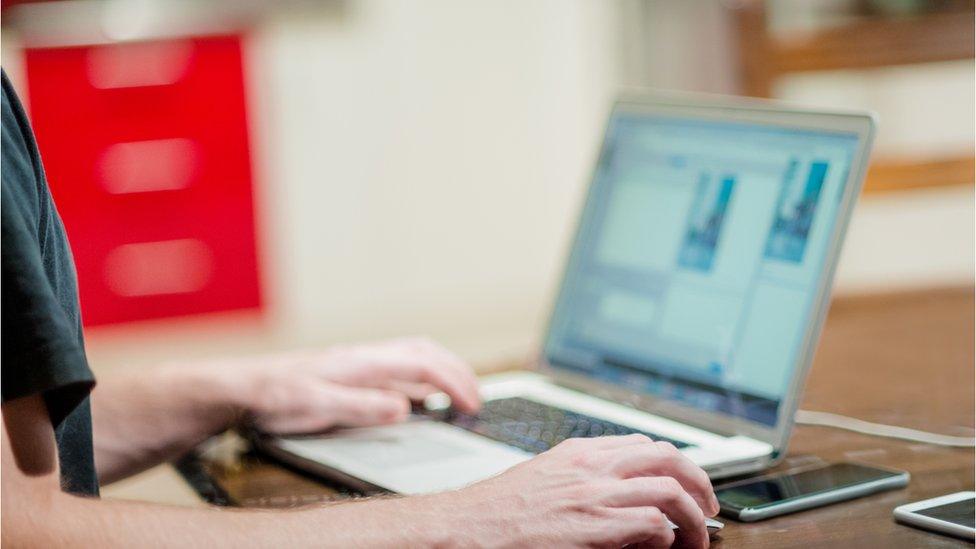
142, 419
69, 521
36, 513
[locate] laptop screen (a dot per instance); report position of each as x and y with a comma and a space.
698, 258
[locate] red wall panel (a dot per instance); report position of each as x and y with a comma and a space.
147, 155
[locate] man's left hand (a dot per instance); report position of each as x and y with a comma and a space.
349, 386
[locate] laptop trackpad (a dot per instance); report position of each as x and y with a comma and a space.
401, 447
414, 457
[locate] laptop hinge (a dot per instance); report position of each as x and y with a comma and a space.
644, 403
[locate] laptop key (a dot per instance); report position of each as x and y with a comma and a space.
536, 427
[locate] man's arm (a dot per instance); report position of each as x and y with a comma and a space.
584, 493
140, 420
37, 513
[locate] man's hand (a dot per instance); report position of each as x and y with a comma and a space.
144, 418
349, 386
601, 492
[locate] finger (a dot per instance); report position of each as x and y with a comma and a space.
416, 392
663, 459
587, 445
647, 527
291, 424
666, 494
358, 407
462, 394
619, 441
407, 359
439, 354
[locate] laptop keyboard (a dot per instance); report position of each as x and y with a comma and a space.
536, 427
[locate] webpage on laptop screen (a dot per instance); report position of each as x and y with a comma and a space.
697, 260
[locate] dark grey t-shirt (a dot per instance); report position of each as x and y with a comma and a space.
43, 349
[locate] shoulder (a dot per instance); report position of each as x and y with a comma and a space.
26, 199
18, 172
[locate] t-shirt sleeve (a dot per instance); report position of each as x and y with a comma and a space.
41, 353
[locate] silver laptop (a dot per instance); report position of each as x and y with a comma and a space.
689, 309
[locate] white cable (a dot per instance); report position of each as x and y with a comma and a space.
826, 419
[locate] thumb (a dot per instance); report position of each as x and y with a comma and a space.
361, 407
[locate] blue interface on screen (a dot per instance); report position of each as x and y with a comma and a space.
697, 260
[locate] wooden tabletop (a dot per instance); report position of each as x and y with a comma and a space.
904, 359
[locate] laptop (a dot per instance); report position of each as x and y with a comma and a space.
689, 308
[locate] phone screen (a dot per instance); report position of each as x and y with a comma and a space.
958, 512
781, 488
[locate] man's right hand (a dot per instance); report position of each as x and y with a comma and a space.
599, 492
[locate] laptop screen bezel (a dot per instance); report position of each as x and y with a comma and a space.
748, 111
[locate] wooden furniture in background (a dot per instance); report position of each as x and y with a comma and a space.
904, 359
867, 42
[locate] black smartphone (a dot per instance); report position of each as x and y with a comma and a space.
773, 495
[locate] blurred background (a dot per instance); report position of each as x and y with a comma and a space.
244, 176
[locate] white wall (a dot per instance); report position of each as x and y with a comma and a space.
420, 164
902, 241
424, 160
